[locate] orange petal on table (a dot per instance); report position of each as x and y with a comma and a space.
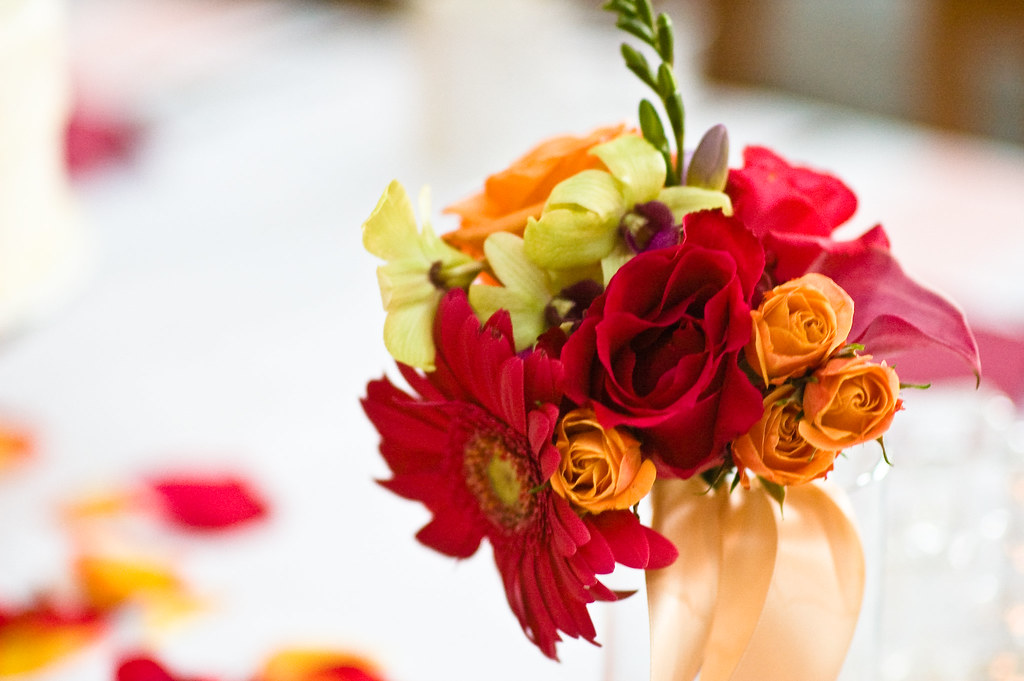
318, 665
16, 444
110, 583
102, 504
208, 503
41, 635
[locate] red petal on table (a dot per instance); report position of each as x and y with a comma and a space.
208, 503
142, 668
93, 140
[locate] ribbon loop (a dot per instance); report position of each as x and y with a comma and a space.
759, 593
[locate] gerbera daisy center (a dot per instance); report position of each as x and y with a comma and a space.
498, 474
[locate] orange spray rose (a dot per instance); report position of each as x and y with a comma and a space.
797, 326
601, 470
774, 448
520, 191
849, 401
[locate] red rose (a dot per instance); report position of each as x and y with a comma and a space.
770, 195
658, 349
792, 210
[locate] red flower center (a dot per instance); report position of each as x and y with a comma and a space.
498, 471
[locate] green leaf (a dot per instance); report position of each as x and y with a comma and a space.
620, 6
915, 386
637, 63
667, 85
644, 12
775, 490
676, 114
885, 456
636, 28
664, 39
650, 125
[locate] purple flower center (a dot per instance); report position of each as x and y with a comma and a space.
571, 302
649, 226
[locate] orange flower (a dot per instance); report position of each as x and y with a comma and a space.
797, 326
601, 470
849, 401
16, 444
774, 448
519, 192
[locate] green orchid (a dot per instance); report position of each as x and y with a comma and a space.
419, 268
535, 298
580, 224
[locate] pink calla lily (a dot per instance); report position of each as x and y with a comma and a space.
896, 316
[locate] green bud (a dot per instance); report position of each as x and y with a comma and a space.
665, 41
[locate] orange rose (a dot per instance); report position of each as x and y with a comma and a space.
774, 448
519, 192
797, 326
601, 470
849, 401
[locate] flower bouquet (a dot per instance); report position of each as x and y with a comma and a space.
619, 318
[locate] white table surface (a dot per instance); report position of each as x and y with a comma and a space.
231, 318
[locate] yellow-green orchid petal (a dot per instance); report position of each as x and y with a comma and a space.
409, 333
564, 278
507, 256
636, 165
403, 283
592, 190
390, 231
565, 238
684, 200
420, 267
618, 257
524, 293
527, 313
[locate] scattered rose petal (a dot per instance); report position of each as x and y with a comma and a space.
208, 503
144, 668
95, 139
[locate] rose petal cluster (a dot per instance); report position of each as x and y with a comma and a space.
797, 325
601, 469
658, 350
817, 401
774, 447
851, 400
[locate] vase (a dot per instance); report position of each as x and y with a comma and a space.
860, 475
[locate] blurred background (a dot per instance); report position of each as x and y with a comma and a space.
184, 293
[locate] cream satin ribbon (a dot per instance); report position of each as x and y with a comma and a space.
756, 594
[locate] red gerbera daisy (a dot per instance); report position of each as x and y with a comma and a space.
474, 445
